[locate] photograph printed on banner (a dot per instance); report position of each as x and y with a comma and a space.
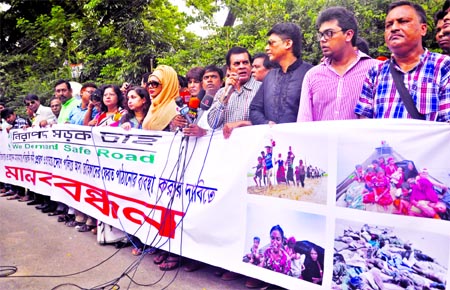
290, 167
287, 242
368, 256
385, 180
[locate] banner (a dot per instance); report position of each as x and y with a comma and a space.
326, 205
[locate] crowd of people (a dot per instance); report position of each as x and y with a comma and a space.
298, 259
398, 187
287, 171
271, 88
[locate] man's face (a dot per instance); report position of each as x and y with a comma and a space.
276, 47
194, 87
332, 39
86, 94
259, 71
211, 82
240, 64
403, 30
63, 93
443, 33
33, 105
55, 105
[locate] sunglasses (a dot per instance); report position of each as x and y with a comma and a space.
30, 103
154, 84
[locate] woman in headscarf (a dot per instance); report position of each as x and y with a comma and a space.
163, 88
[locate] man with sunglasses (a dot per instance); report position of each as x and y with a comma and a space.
332, 88
278, 99
41, 115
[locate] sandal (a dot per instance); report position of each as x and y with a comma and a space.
171, 263
85, 228
160, 258
136, 252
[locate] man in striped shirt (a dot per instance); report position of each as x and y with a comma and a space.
331, 89
231, 106
426, 75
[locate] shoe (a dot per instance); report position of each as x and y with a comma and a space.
136, 251
72, 224
15, 196
120, 245
193, 266
66, 218
56, 212
8, 193
94, 230
84, 228
171, 263
253, 283
48, 209
160, 257
41, 206
25, 198
230, 276
33, 202
219, 272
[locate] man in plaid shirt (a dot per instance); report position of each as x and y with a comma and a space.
426, 74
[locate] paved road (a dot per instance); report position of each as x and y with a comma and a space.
44, 250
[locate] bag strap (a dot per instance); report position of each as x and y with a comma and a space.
404, 93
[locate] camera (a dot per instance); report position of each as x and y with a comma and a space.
97, 96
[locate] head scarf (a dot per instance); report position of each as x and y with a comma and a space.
163, 108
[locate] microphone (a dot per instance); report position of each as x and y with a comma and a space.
206, 102
189, 112
228, 92
194, 104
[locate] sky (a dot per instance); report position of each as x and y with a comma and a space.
196, 28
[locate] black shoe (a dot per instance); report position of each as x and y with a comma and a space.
41, 206
48, 209
33, 202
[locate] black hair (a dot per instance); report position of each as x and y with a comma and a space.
267, 63
215, 68
237, 50
362, 45
6, 112
182, 81
88, 85
63, 82
144, 95
288, 30
345, 18
120, 98
419, 9
30, 97
195, 73
278, 228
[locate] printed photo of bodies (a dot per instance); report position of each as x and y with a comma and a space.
369, 256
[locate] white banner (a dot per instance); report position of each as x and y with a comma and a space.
331, 221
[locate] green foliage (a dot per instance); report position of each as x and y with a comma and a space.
119, 40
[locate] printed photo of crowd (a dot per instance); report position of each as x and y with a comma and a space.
380, 257
387, 182
286, 175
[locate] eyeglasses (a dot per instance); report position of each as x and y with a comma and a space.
154, 84
327, 34
30, 103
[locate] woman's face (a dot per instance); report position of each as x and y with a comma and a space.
276, 240
154, 86
314, 255
110, 98
134, 101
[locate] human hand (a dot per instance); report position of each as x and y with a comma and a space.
126, 126
194, 130
227, 129
178, 122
